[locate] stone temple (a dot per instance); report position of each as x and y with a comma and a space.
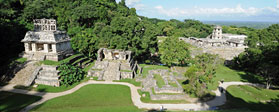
46, 42
113, 64
218, 39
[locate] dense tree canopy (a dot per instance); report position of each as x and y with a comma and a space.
262, 56
11, 32
200, 74
93, 24
187, 28
173, 51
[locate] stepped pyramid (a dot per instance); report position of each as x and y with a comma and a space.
26, 75
48, 75
113, 65
112, 71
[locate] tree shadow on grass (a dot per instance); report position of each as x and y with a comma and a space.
11, 70
239, 104
250, 77
14, 102
246, 76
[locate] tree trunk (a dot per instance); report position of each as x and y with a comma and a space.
268, 85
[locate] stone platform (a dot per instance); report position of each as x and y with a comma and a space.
48, 75
26, 75
112, 70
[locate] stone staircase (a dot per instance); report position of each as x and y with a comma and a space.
112, 71
37, 57
48, 75
26, 75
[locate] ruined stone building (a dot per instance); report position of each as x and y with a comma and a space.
218, 39
217, 33
113, 64
226, 45
46, 42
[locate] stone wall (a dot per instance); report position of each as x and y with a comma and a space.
48, 75
113, 54
122, 68
126, 75
227, 52
148, 83
168, 97
168, 89
126, 66
63, 46
96, 73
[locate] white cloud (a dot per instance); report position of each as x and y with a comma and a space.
132, 2
196, 11
135, 4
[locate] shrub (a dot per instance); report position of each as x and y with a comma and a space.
70, 74
200, 74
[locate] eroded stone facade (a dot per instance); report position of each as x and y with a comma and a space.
48, 75
113, 64
218, 39
45, 42
227, 46
149, 84
113, 54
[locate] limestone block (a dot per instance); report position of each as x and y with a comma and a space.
125, 66
126, 75
53, 46
34, 47
46, 49
26, 47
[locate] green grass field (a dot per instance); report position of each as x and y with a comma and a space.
92, 98
131, 81
13, 102
159, 80
252, 98
227, 74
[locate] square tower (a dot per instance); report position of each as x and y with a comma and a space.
217, 33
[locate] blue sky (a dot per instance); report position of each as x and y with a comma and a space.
208, 10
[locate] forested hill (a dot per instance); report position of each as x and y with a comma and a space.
93, 24
249, 24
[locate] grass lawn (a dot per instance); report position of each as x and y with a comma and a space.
14, 102
219, 111
227, 74
173, 84
159, 80
131, 81
92, 98
21, 60
252, 98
